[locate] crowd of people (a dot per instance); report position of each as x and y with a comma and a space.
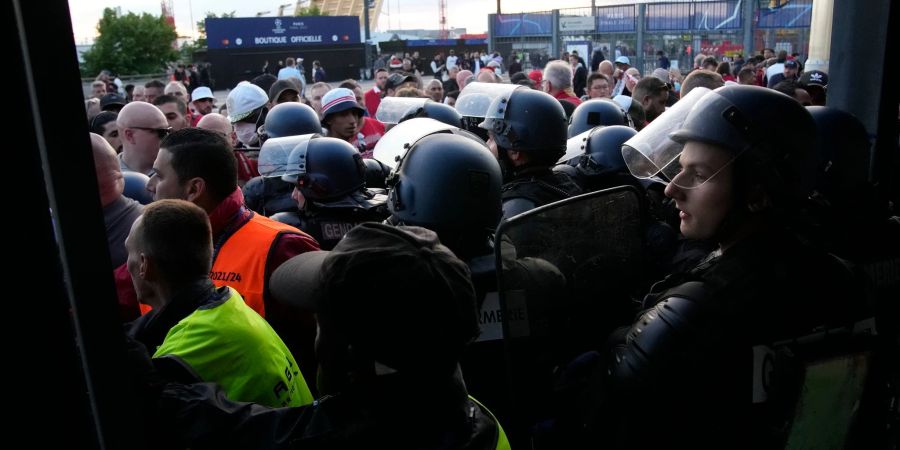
313, 266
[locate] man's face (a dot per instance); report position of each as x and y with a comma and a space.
151, 93
315, 99
436, 91
790, 72
599, 88
802, 96
407, 65
175, 117
654, 105
164, 182
380, 79
139, 94
703, 207
204, 106
99, 90
111, 134
343, 125
768, 54
360, 98
573, 60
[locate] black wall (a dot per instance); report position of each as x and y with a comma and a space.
231, 66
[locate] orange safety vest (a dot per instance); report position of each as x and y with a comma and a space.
240, 262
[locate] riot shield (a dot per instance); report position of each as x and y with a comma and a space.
565, 274
394, 109
474, 101
391, 148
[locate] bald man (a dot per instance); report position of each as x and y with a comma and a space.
141, 127
247, 168
220, 123
119, 212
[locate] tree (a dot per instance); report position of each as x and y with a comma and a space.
201, 27
131, 44
312, 10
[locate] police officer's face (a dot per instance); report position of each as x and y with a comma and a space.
702, 190
164, 182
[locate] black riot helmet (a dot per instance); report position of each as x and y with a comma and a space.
442, 113
528, 121
290, 119
771, 136
603, 151
594, 113
844, 151
447, 181
325, 169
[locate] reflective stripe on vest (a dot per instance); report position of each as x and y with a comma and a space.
502, 440
241, 261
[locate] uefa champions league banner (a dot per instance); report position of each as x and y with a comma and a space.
281, 31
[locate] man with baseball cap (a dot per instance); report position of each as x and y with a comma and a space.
388, 358
112, 102
283, 91
203, 100
789, 73
622, 64
246, 111
343, 118
397, 81
815, 82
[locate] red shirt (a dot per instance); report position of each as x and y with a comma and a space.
372, 130
563, 95
373, 99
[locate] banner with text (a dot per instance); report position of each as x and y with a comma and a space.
281, 31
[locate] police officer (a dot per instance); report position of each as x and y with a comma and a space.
595, 113
329, 179
268, 194
684, 367
527, 130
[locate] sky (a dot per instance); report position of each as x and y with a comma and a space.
470, 14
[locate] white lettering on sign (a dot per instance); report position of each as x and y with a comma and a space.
270, 40
316, 38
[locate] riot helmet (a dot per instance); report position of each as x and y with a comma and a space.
442, 113
528, 121
594, 113
474, 101
273, 155
290, 119
376, 173
447, 181
844, 151
325, 169
136, 187
391, 148
394, 110
770, 132
603, 151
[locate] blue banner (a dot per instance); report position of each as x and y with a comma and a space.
476, 42
616, 19
431, 42
796, 14
717, 15
521, 24
668, 16
281, 31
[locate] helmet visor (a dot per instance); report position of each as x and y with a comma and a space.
652, 152
273, 156
296, 162
576, 146
395, 109
476, 98
392, 147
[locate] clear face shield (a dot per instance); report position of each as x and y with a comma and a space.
476, 98
654, 154
392, 147
576, 146
296, 162
392, 110
274, 154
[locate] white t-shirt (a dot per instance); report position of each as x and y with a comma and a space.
451, 62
